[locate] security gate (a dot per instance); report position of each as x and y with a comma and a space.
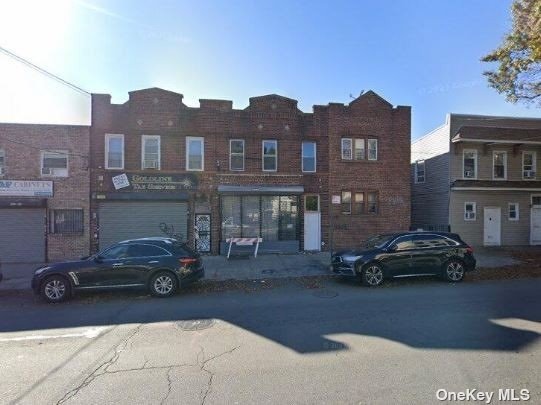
22, 235
129, 220
202, 232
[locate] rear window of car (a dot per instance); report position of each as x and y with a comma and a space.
183, 250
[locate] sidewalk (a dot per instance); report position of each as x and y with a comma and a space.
217, 268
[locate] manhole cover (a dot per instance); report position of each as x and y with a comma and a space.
325, 293
195, 324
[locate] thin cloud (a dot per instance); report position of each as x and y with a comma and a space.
146, 30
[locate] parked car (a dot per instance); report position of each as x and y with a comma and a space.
160, 265
406, 254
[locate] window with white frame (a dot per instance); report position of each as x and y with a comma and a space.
470, 211
469, 164
513, 212
372, 149
270, 156
2, 162
114, 151
309, 157
359, 149
150, 152
529, 163
347, 149
195, 153
499, 165
236, 154
54, 163
536, 201
420, 171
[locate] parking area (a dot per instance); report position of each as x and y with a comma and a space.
271, 266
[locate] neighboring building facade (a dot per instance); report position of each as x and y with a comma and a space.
269, 171
44, 192
477, 176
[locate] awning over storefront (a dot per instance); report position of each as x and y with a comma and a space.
261, 190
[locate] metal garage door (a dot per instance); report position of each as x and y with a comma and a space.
22, 235
128, 220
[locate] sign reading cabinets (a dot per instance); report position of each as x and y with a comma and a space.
26, 188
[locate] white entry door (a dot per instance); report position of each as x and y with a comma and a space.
312, 223
492, 226
535, 226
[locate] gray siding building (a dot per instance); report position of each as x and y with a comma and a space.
477, 176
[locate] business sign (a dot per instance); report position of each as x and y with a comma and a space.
26, 188
159, 182
120, 181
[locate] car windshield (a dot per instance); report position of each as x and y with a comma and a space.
377, 241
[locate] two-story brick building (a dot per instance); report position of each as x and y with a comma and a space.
268, 170
44, 192
477, 175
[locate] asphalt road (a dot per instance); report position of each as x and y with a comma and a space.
292, 344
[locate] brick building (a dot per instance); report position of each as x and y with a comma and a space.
269, 170
44, 192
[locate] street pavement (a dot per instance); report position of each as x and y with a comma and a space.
337, 344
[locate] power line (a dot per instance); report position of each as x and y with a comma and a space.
43, 71
42, 149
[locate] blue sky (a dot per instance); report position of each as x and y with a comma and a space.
415, 52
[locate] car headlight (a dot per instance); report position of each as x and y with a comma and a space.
41, 270
351, 259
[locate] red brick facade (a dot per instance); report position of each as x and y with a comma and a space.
159, 112
22, 145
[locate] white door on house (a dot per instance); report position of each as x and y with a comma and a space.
535, 226
492, 226
312, 223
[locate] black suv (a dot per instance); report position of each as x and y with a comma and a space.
406, 254
159, 264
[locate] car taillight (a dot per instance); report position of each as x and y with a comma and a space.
469, 249
186, 262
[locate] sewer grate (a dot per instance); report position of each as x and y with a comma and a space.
195, 324
325, 293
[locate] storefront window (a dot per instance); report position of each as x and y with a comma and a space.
269, 217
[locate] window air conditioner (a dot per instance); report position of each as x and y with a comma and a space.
150, 164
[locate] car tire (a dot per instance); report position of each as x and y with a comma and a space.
55, 289
372, 275
453, 271
163, 284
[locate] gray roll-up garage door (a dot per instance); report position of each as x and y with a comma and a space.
129, 220
22, 235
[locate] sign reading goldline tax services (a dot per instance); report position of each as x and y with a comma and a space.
26, 188
154, 182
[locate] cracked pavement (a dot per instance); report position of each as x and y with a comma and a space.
290, 344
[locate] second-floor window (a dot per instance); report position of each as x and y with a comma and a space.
372, 149
469, 164
195, 153
372, 202
270, 156
346, 202
309, 157
2, 162
54, 163
499, 165
114, 151
420, 171
529, 163
347, 148
150, 152
236, 154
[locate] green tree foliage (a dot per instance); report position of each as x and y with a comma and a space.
518, 75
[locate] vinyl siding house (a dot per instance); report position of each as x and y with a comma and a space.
477, 176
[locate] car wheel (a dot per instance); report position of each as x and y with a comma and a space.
454, 271
55, 289
163, 284
372, 275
